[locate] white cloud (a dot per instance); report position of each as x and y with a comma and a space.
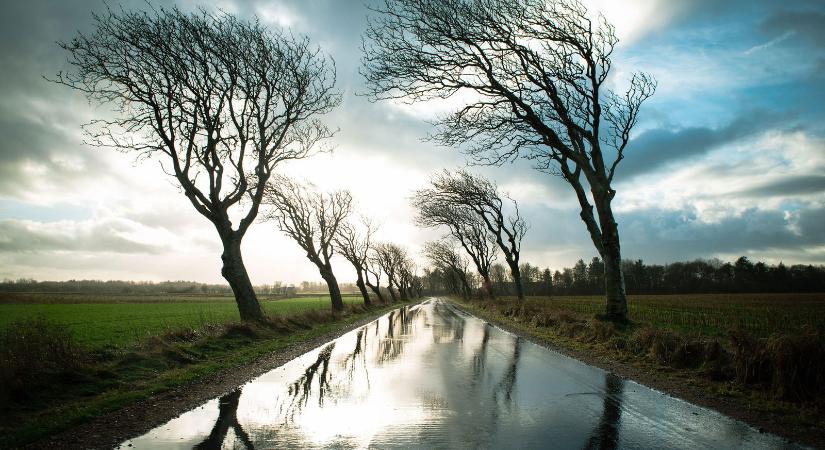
717, 186
278, 13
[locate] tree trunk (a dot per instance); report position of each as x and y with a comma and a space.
611, 254
377, 289
334, 290
392, 294
614, 286
363, 288
515, 271
488, 285
234, 272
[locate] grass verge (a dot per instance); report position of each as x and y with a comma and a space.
50, 384
776, 382
110, 320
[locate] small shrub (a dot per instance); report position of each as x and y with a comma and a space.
717, 361
566, 317
185, 334
572, 329
617, 343
542, 319
688, 354
661, 345
602, 331
33, 348
236, 330
751, 363
797, 366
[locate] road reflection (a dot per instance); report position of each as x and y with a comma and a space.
606, 435
431, 376
227, 419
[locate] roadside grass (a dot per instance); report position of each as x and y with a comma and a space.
709, 315
49, 383
115, 321
771, 366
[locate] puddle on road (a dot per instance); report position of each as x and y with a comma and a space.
429, 376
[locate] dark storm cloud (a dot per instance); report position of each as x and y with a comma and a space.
806, 24
791, 186
38, 118
658, 147
659, 235
24, 236
694, 11
39, 123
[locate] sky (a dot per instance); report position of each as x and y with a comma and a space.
727, 159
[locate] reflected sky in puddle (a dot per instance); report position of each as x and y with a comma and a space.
429, 376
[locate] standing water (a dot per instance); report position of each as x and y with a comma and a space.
430, 376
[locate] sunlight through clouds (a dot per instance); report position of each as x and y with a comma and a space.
733, 134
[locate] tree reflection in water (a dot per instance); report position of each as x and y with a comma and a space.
452, 328
227, 418
606, 434
480, 357
392, 346
301, 389
508, 380
350, 361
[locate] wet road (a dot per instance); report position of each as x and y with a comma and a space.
430, 376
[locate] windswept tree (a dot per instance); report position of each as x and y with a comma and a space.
444, 257
464, 226
217, 100
312, 219
372, 271
390, 259
481, 197
406, 277
534, 74
354, 245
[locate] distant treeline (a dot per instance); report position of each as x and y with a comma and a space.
699, 276
162, 287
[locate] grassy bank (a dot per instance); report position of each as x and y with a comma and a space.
771, 372
51, 381
98, 321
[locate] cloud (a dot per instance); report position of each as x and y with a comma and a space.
788, 186
659, 147
769, 44
728, 161
656, 234
82, 236
804, 23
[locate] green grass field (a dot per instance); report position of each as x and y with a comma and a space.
710, 314
100, 320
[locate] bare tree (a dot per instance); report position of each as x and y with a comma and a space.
312, 219
534, 72
444, 257
219, 101
373, 270
481, 196
464, 226
406, 277
355, 248
390, 258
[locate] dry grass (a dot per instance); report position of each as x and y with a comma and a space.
32, 349
708, 315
